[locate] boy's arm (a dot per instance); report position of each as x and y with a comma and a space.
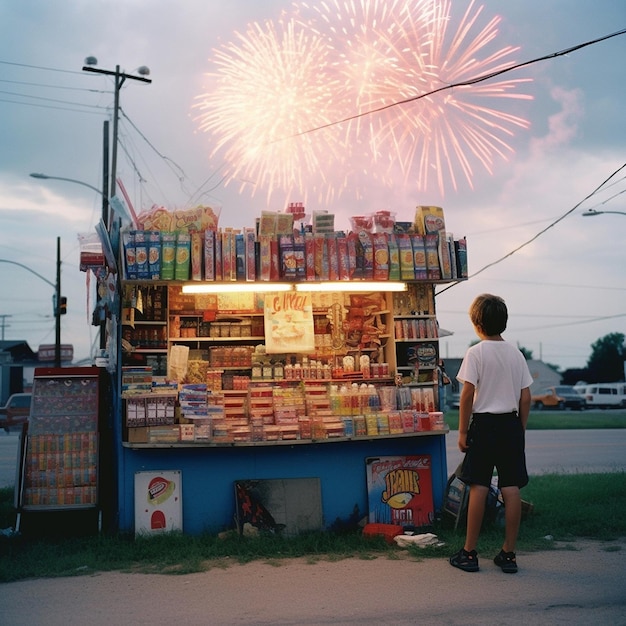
466, 402
524, 406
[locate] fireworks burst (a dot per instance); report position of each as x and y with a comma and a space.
296, 103
270, 87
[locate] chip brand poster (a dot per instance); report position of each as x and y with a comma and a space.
288, 322
400, 490
158, 502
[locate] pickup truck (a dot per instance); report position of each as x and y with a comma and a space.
16, 411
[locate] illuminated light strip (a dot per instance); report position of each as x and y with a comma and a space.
351, 286
235, 287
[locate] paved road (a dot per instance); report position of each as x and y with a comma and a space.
547, 451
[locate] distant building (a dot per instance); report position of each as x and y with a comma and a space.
18, 363
543, 376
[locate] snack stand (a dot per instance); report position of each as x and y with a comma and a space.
279, 352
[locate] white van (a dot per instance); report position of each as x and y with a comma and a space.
606, 395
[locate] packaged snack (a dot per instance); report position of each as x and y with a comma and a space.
168, 255
154, 255
141, 255
183, 256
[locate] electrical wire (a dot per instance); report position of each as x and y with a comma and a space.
541, 232
463, 83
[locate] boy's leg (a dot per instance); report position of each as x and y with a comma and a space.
475, 512
512, 516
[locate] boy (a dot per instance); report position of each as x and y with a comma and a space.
496, 395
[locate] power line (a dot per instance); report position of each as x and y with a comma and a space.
541, 232
464, 83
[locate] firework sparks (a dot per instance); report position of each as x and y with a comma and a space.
281, 93
270, 87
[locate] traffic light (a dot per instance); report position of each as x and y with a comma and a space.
63, 307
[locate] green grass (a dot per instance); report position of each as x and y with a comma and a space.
561, 420
598, 499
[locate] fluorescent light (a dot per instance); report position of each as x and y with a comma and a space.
352, 286
235, 287
260, 287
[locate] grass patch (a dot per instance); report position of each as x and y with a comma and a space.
561, 420
566, 507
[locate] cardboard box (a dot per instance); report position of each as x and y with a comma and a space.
138, 435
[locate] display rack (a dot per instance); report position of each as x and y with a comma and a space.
59, 461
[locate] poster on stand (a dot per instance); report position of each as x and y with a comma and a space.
400, 490
158, 502
288, 318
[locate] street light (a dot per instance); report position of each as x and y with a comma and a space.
57, 299
120, 78
593, 212
68, 180
105, 205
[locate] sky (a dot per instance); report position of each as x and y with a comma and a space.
565, 289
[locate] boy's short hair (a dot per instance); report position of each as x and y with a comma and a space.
489, 313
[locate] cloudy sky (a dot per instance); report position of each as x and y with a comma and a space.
565, 290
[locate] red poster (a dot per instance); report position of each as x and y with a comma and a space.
400, 491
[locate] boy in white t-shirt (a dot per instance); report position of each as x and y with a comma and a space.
496, 396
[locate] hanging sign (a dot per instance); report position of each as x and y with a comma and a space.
288, 322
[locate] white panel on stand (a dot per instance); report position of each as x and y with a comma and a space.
158, 502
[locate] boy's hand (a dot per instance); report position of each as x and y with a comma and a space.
463, 447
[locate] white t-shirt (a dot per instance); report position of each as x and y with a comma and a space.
499, 372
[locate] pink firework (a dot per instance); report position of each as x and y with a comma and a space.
461, 123
397, 51
338, 97
269, 87
378, 49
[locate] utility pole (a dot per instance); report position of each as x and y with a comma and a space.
3, 323
57, 309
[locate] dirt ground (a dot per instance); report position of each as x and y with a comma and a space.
578, 583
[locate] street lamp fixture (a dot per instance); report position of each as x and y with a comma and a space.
593, 212
68, 180
120, 78
57, 299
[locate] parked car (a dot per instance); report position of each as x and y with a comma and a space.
606, 395
559, 397
16, 411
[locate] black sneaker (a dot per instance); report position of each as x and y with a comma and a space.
467, 561
506, 561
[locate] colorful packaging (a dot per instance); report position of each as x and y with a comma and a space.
343, 257
429, 219
381, 256
183, 256
394, 257
288, 263
368, 255
209, 255
141, 255
196, 255
130, 256
219, 269
154, 254
333, 259
432, 256
460, 247
250, 253
240, 257
420, 264
168, 255
405, 249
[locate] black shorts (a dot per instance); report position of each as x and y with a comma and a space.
495, 441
